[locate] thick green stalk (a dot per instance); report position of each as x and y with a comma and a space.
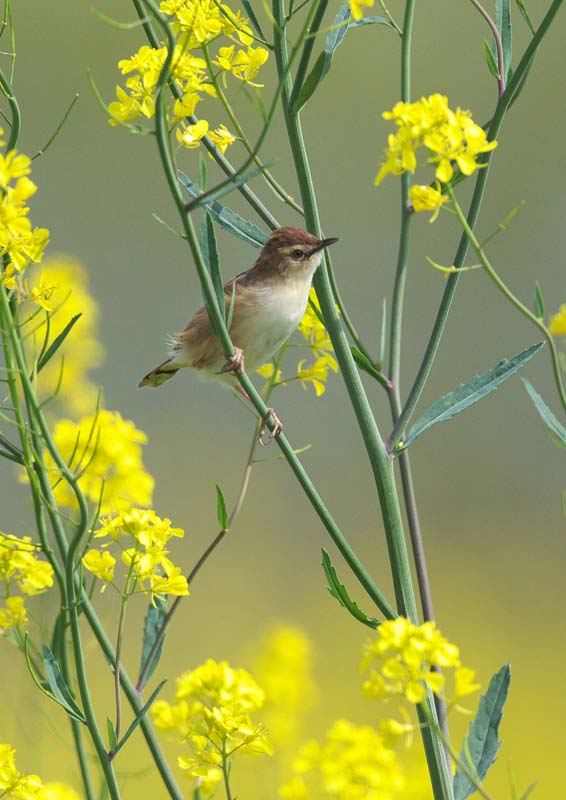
475, 205
381, 464
218, 322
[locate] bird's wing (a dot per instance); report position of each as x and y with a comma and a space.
198, 339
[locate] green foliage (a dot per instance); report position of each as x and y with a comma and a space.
137, 719
59, 690
221, 510
209, 249
551, 423
152, 626
503, 22
340, 593
57, 342
227, 219
342, 23
468, 393
482, 743
490, 59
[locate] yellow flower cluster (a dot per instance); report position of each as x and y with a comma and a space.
197, 23
14, 785
105, 451
284, 670
143, 538
400, 660
443, 134
19, 241
357, 7
212, 716
20, 569
63, 282
354, 763
557, 325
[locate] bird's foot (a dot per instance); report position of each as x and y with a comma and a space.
235, 363
264, 439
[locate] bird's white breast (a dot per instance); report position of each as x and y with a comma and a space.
278, 313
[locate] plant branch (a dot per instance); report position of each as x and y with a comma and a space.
475, 205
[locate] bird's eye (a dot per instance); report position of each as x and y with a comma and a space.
298, 254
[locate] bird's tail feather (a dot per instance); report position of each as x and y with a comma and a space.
160, 374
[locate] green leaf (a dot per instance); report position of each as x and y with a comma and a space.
342, 23
551, 423
58, 686
228, 186
490, 59
365, 364
112, 740
203, 172
529, 791
468, 393
57, 342
252, 17
539, 302
152, 625
482, 743
209, 248
523, 11
226, 218
221, 511
138, 718
339, 591
503, 22
14, 453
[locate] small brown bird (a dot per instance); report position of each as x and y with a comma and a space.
270, 300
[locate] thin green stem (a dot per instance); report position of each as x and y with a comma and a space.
381, 464
310, 40
6, 87
275, 185
119, 640
512, 298
475, 205
226, 775
218, 321
7, 319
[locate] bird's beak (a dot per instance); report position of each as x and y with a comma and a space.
324, 243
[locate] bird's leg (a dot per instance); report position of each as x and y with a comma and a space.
235, 363
278, 427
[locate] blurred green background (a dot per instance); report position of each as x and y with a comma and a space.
489, 484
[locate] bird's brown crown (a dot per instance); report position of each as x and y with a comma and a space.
288, 236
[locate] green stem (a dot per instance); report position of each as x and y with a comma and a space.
31, 400
381, 464
217, 320
475, 205
119, 639
6, 87
513, 299
310, 40
275, 185
226, 776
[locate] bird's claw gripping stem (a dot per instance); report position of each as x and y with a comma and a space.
264, 440
235, 363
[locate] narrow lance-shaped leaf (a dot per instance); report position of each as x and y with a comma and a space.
539, 301
57, 342
490, 59
209, 249
221, 511
524, 13
152, 625
340, 26
227, 219
503, 22
228, 186
468, 393
555, 428
111, 730
340, 593
480, 748
58, 686
138, 718
253, 18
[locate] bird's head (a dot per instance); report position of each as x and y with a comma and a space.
292, 253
